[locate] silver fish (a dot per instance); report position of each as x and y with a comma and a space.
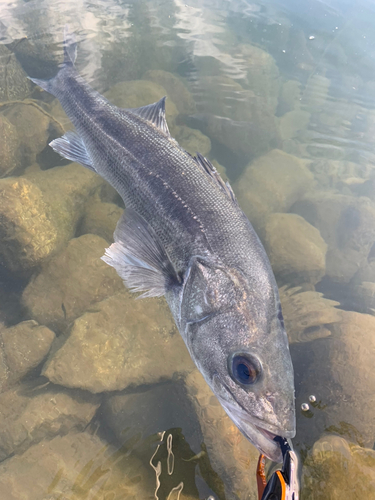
184, 236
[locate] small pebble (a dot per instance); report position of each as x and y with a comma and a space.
305, 407
312, 398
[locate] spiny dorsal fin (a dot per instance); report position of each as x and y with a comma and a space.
154, 113
70, 46
214, 174
139, 257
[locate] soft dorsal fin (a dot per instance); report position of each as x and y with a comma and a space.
139, 257
214, 174
154, 113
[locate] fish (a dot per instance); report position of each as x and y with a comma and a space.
184, 236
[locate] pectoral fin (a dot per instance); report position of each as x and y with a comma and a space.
139, 257
71, 147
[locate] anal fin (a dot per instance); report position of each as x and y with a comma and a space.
71, 147
139, 257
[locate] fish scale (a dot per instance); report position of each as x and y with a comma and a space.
184, 236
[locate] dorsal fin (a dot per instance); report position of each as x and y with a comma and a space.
214, 174
154, 113
70, 47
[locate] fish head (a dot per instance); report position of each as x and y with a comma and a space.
236, 337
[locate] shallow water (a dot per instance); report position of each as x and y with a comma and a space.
99, 398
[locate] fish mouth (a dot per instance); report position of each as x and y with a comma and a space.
260, 434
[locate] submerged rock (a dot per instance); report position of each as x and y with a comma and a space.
175, 88
347, 225
192, 140
337, 469
249, 138
33, 130
39, 214
272, 183
121, 342
295, 249
78, 465
70, 283
23, 347
10, 156
262, 74
13, 80
100, 219
231, 455
30, 414
136, 93
307, 314
338, 370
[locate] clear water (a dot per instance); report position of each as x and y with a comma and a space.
119, 412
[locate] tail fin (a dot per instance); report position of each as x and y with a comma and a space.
70, 55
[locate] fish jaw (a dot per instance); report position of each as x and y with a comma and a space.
258, 433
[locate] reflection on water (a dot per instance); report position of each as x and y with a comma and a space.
99, 398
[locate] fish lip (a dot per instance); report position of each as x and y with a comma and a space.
263, 437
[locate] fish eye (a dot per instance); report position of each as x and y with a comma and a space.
245, 369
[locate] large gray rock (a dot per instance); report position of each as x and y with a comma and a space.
29, 415
121, 342
70, 283
338, 370
23, 347
295, 249
347, 224
272, 183
78, 465
336, 469
39, 214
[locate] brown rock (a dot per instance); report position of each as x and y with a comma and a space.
13, 80
192, 140
136, 93
70, 283
338, 370
101, 219
41, 414
24, 347
33, 130
295, 248
307, 314
39, 214
121, 343
176, 90
347, 225
231, 455
337, 469
272, 183
78, 465
10, 157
